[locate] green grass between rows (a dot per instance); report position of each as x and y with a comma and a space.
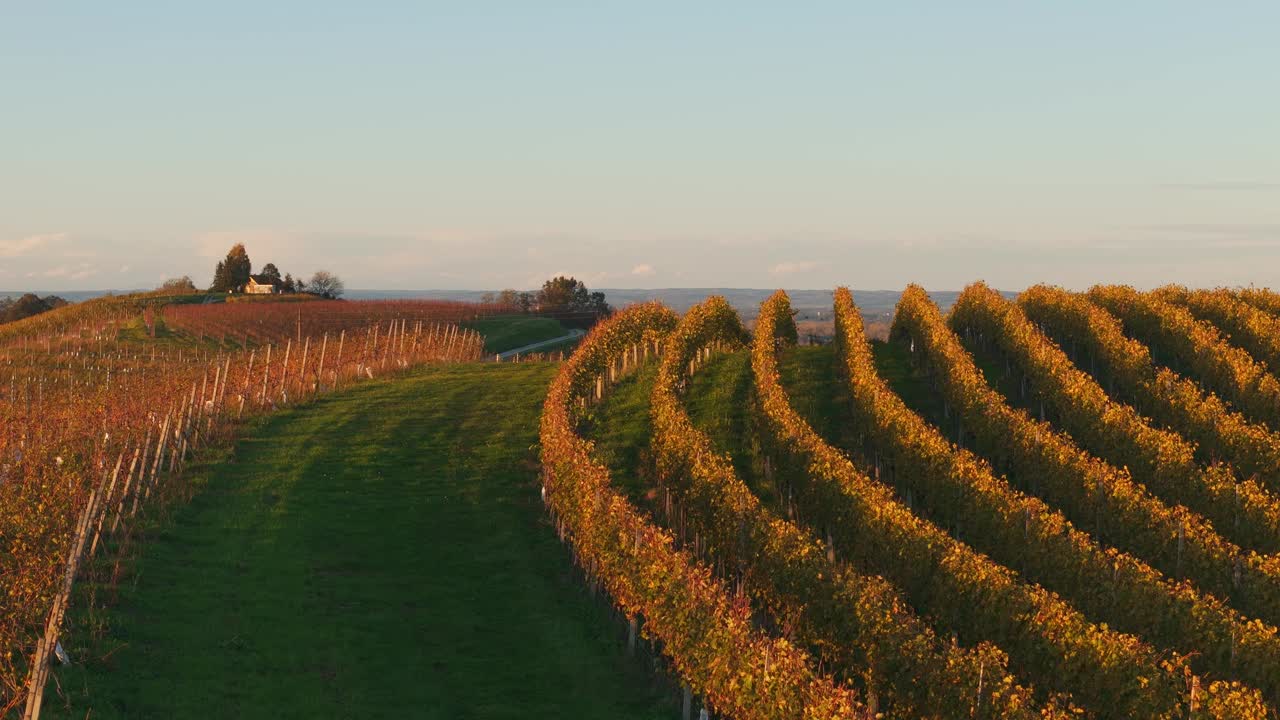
379, 553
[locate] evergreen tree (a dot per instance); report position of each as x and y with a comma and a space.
219, 278
232, 274
271, 274
238, 267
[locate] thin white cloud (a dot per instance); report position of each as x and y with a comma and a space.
1227, 185
642, 270
70, 272
793, 267
26, 245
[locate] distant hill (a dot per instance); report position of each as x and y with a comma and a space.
68, 295
811, 304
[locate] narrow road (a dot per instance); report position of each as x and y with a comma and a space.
533, 347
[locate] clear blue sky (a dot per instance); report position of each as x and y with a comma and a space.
644, 144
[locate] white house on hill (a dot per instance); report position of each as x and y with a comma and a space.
259, 285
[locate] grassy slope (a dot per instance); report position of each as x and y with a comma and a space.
811, 376
621, 429
507, 333
719, 404
716, 401
380, 553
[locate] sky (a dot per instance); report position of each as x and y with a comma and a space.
482, 145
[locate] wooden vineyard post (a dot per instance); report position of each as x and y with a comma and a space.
266, 375
244, 393
337, 374
211, 403
190, 427
417, 335
163, 442
371, 348
106, 500
391, 341
128, 480
302, 371
284, 372
142, 472
204, 387
222, 394
47, 645
324, 345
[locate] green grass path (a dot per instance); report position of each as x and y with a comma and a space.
380, 553
506, 332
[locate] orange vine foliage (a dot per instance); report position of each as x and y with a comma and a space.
1174, 333
1107, 498
1171, 399
858, 623
1265, 299
1024, 531
1054, 643
706, 632
1245, 326
1163, 461
262, 322
86, 415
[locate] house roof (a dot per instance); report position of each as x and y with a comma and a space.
262, 279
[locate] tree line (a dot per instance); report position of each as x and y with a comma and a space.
233, 273
559, 295
28, 305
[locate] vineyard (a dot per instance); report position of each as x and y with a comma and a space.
1067, 505
256, 323
99, 425
1056, 506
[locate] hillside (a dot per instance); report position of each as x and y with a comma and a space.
1024, 508
377, 553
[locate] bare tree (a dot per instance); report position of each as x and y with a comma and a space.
326, 285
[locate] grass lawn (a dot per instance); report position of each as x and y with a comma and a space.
507, 333
379, 553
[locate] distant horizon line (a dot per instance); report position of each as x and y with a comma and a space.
496, 290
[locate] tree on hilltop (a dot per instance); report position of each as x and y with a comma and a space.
509, 298
567, 294
178, 286
326, 285
27, 306
232, 274
271, 274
